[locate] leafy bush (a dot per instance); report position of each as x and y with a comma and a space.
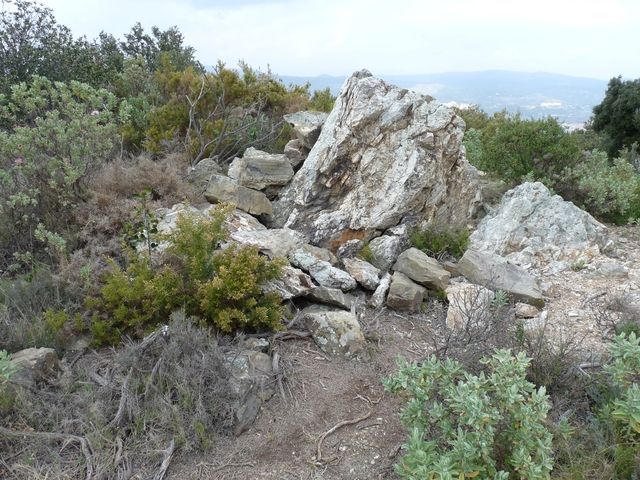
223, 287
53, 136
466, 426
437, 241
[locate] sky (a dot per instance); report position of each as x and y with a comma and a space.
589, 38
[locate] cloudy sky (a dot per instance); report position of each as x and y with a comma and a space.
594, 38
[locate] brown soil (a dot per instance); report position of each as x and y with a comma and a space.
321, 392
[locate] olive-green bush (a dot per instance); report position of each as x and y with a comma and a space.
489, 426
438, 240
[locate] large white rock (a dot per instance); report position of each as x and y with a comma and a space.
532, 227
384, 152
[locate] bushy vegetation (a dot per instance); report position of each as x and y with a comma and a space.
465, 426
439, 241
573, 165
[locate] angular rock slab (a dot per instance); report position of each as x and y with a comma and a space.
422, 269
380, 295
306, 125
385, 250
336, 332
365, 274
293, 283
35, 365
533, 227
384, 152
497, 273
404, 295
252, 383
276, 243
259, 170
332, 296
222, 189
322, 272
469, 304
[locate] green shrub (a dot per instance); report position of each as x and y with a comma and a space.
437, 241
222, 287
53, 136
464, 426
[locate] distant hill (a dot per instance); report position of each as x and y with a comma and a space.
534, 95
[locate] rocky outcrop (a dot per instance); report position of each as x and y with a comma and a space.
532, 227
383, 152
336, 332
252, 384
404, 295
497, 273
223, 189
385, 250
322, 272
34, 366
276, 243
306, 126
292, 284
259, 170
364, 273
421, 268
332, 296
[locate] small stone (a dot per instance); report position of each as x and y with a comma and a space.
336, 332
379, 296
34, 366
421, 268
365, 274
469, 304
524, 310
332, 296
404, 295
222, 189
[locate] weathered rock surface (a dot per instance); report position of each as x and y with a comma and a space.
293, 283
320, 253
532, 227
385, 250
222, 189
252, 383
379, 296
34, 366
405, 295
468, 305
524, 310
383, 152
421, 268
295, 152
275, 243
322, 272
332, 296
306, 125
200, 174
365, 274
497, 273
258, 170
336, 332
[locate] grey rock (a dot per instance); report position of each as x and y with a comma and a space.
524, 310
276, 243
532, 227
365, 274
306, 125
497, 273
350, 248
469, 305
612, 270
332, 296
421, 268
380, 295
222, 189
320, 253
336, 332
385, 250
383, 152
404, 295
293, 283
251, 383
35, 366
322, 272
200, 174
295, 152
258, 170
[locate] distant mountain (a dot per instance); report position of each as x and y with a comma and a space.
534, 95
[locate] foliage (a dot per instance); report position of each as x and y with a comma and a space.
322, 100
618, 115
7, 368
223, 287
466, 426
53, 137
609, 190
438, 240
624, 369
